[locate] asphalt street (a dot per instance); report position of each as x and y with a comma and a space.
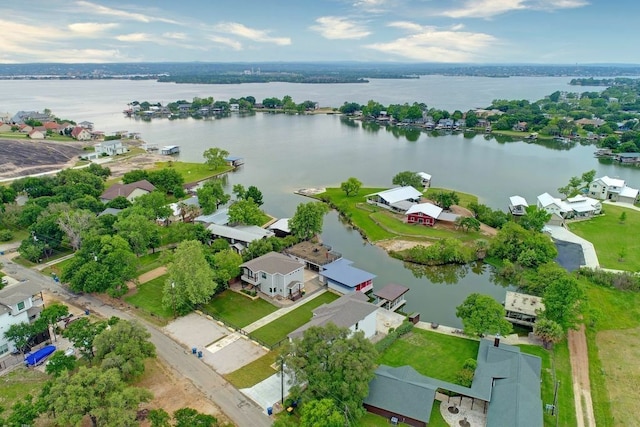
241, 410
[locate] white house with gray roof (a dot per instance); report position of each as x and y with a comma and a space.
19, 303
606, 188
352, 311
276, 275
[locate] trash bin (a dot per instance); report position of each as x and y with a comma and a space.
86, 312
270, 410
200, 355
194, 350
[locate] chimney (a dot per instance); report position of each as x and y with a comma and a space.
496, 341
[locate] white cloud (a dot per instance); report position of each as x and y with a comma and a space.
175, 36
135, 37
436, 45
490, 8
133, 16
233, 44
88, 29
372, 6
261, 36
335, 27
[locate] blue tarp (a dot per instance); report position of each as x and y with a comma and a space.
35, 358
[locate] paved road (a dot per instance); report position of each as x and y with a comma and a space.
234, 404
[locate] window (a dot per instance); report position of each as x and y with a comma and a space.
21, 305
357, 325
264, 275
4, 349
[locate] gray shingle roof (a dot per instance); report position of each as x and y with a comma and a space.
273, 263
14, 294
391, 291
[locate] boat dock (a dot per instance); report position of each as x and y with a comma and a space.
170, 149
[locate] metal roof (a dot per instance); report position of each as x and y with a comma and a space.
518, 201
397, 194
391, 292
243, 233
342, 272
428, 209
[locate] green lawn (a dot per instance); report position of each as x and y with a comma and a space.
610, 237
58, 268
395, 224
17, 384
237, 310
465, 198
278, 330
149, 298
192, 172
149, 262
256, 371
430, 353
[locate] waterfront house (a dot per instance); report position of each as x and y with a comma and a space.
342, 277
129, 191
80, 134
552, 205
25, 128
36, 134
239, 237
234, 161
518, 205
627, 157
22, 116
398, 199
219, 217
280, 227
110, 148
313, 255
275, 275
352, 311
87, 125
170, 149
521, 127
522, 309
19, 303
391, 296
582, 206
506, 382
423, 213
615, 189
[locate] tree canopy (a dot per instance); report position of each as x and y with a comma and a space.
408, 178
481, 314
351, 186
211, 195
215, 157
245, 212
307, 220
334, 364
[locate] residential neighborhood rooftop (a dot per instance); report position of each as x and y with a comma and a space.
342, 271
273, 263
523, 303
398, 194
391, 292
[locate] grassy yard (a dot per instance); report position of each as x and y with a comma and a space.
611, 237
278, 330
17, 384
237, 310
465, 198
430, 353
149, 298
256, 371
192, 172
395, 224
149, 262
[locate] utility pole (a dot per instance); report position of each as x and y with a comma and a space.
555, 398
282, 380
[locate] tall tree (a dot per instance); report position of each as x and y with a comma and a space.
99, 394
408, 178
308, 219
211, 195
481, 314
334, 364
548, 331
82, 334
535, 218
124, 346
445, 199
254, 194
245, 212
215, 157
562, 301
50, 316
137, 230
190, 279
20, 334
226, 265
351, 186
322, 412
60, 362
74, 224
189, 417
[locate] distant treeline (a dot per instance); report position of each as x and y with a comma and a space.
262, 78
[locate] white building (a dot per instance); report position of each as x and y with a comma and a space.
614, 189
19, 303
275, 274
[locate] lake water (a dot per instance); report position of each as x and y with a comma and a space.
284, 153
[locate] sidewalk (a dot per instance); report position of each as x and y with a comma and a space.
621, 204
281, 312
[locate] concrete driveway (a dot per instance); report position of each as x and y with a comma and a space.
266, 393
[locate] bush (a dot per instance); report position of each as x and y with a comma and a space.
464, 377
622, 281
5, 235
393, 335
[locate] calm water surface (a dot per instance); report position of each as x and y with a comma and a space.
284, 153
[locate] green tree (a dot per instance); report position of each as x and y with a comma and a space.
351, 186
211, 195
445, 199
124, 346
137, 230
168, 180
119, 202
408, 178
60, 362
82, 334
481, 314
101, 395
74, 224
534, 219
50, 316
159, 418
512, 240
321, 412
307, 220
226, 265
24, 412
548, 331
190, 279
562, 301
155, 203
20, 334
245, 212
254, 194
188, 417
467, 223
334, 364
623, 217
588, 177
215, 158
239, 191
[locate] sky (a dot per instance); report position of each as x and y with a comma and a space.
449, 31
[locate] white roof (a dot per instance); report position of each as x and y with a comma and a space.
425, 176
523, 303
546, 199
518, 201
612, 182
629, 192
425, 208
282, 224
399, 193
242, 233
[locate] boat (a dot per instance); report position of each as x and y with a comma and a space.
37, 357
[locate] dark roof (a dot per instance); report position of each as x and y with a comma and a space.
342, 272
110, 211
344, 312
126, 189
391, 292
402, 391
273, 263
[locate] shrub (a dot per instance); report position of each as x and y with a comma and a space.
622, 281
5, 235
393, 335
